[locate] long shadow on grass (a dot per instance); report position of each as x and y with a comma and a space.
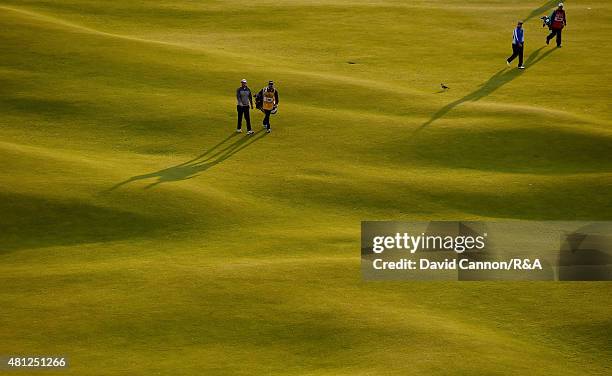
496, 81
538, 12
192, 168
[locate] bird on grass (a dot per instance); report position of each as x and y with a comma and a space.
444, 87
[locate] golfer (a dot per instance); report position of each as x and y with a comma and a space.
558, 20
518, 44
244, 99
269, 97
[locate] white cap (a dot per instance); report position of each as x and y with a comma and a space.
561, 5
244, 81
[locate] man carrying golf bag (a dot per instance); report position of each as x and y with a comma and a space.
267, 101
558, 20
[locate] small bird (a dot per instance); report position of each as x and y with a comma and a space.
444, 87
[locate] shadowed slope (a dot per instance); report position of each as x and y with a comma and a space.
33, 222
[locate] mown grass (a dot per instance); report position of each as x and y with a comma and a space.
140, 236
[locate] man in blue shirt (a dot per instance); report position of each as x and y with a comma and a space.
518, 43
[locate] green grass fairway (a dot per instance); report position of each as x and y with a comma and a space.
140, 236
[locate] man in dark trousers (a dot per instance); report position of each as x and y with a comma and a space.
269, 97
518, 44
558, 20
244, 99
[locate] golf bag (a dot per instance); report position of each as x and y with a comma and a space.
259, 102
546, 21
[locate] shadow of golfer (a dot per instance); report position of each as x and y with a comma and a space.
192, 168
547, 6
496, 81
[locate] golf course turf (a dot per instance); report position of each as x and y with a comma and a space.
139, 234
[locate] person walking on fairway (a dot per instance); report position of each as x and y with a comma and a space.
269, 97
518, 44
558, 20
244, 100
